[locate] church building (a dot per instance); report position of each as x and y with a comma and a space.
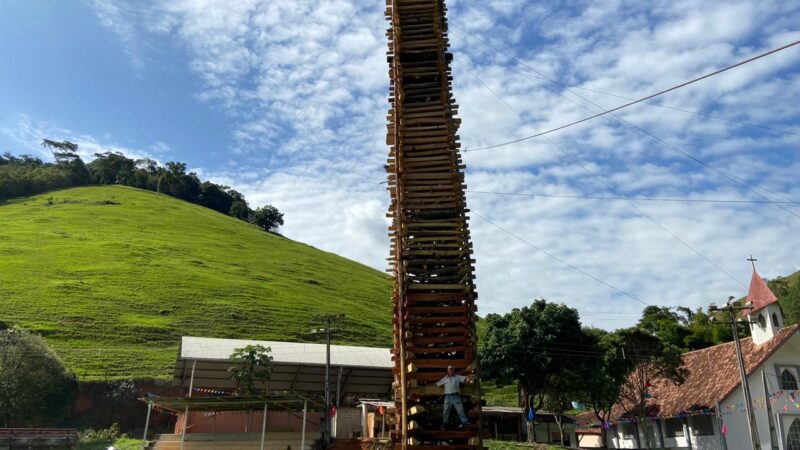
707, 411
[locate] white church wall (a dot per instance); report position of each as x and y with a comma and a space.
738, 437
736, 424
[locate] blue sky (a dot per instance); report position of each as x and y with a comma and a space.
286, 102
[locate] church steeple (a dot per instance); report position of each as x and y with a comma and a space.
766, 317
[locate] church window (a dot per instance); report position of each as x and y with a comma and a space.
793, 437
702, 426
762, 322
674, 428
788, 381
627, 431
775, 320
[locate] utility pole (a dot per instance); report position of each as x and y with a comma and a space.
733, 310
328, 321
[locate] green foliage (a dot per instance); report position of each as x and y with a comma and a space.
26, 175
118, 284
106, 434
109, 437
683, 328
602, 374
646, 359
255, 365
267, 217
524, 347
791, 304
35, 388
240, 210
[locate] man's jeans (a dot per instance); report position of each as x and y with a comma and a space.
454, 401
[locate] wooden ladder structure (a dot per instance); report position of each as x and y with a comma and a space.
431, 254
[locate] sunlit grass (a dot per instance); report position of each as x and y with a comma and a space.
113, 276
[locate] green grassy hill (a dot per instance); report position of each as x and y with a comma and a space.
113, 276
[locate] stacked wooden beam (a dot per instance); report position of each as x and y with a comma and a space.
431, 253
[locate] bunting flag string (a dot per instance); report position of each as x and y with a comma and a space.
792, 401
214, 391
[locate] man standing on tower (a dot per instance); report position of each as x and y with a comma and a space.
452, 396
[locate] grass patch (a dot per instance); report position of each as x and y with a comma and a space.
120, 443
497, 395
113, 286
493, 444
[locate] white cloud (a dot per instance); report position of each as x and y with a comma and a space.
30, 132
307, 84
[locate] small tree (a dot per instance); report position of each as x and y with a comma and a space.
559, 399
35, 388
267, 217
604, 375
649, 359
255, 364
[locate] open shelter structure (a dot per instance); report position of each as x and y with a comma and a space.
290, 401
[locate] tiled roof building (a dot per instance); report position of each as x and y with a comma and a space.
707, 410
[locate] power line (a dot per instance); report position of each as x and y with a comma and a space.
611, 189
688, 111
737, 180
576, 269
643, 199
675, 149
657, 105
625, 105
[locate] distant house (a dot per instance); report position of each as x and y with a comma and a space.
707, 411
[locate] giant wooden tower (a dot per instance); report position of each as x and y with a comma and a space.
431, 255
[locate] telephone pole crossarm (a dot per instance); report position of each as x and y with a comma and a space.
733, 310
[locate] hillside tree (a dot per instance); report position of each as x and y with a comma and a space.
267, 217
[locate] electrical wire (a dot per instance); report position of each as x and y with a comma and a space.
657, 105
742, 183
737, 180
631, 103
688, 111
642, 199
576, 269
575, 160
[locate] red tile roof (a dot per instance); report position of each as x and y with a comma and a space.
713, 376
759, 294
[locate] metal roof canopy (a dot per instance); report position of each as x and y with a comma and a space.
297, 367
229, 403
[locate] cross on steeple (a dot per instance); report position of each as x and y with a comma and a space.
752, 261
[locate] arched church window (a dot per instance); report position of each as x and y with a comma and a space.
775, 320
788, 381
762, 322
793, 437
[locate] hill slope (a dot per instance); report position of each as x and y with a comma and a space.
112, 277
